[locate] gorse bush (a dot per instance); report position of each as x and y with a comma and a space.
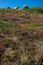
35, 10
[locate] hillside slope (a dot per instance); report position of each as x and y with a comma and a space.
21, 37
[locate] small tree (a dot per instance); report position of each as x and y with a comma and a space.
8, 8
26, 7
16, 8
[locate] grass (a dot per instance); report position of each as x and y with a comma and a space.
33, 26
4, 25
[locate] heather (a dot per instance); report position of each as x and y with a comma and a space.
21, 36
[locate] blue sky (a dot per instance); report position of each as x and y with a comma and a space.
20, 3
